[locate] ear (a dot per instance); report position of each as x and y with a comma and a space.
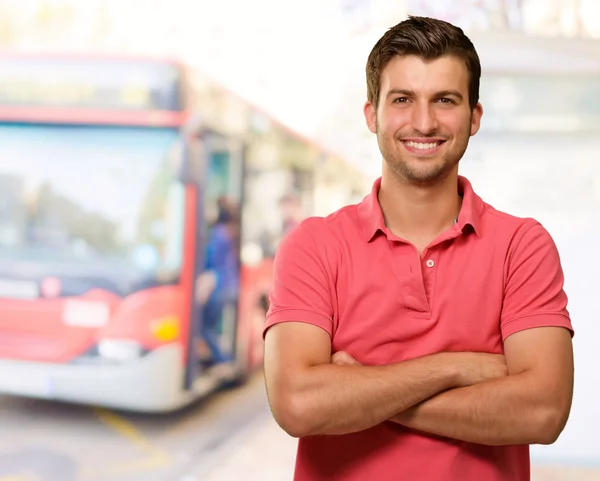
371, 116
476, 119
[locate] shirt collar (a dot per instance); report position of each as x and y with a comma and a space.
371, 216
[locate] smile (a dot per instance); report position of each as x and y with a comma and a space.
423, 147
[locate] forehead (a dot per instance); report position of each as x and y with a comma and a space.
425, 76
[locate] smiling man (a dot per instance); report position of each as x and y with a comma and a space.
421, 335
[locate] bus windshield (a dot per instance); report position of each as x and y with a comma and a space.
94, 204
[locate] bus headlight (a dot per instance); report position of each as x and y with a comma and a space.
119, 350
166, 329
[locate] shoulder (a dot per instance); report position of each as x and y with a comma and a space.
513, 228
523, 243
327, 231
323, 241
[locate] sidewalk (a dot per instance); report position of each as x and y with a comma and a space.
266, 453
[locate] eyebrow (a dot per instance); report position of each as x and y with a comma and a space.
411, 93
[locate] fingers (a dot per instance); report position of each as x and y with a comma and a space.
343, 358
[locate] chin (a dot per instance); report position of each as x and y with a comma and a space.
425, 179
418, 175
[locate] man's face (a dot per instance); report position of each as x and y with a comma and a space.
423, 121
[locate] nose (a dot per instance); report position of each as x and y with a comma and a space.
424, 119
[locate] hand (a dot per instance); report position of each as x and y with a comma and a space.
475, 367
342, 358
205, 286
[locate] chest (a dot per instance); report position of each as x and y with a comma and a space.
395, 305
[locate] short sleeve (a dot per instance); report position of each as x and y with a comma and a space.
301, 290
534, 295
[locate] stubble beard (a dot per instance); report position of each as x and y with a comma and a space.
428, 173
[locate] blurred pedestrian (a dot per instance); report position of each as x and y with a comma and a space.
218, 285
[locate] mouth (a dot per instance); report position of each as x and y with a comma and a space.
423, 147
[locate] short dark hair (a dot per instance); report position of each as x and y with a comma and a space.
429, 39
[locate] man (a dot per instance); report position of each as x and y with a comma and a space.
420, 335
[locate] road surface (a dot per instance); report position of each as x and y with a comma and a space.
46, 441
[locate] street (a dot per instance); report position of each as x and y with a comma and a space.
224, 438
46, 441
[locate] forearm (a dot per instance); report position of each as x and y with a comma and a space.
331, 399
505, 411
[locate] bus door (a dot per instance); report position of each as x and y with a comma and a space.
218, 245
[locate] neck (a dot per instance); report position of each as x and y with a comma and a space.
418, 211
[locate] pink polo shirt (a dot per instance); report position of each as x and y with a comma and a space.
489, 276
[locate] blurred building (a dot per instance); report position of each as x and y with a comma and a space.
535, 17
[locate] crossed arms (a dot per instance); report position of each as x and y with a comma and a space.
521, 397
472, 397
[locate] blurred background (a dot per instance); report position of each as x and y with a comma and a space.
152, 155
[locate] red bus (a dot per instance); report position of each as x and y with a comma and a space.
139, 210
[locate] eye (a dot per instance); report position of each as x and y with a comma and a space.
446, 100
401, 100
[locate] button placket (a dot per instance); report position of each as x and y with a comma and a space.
429, 270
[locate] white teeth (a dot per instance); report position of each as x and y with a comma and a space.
422, 146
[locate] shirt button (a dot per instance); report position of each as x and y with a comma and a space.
430, 263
